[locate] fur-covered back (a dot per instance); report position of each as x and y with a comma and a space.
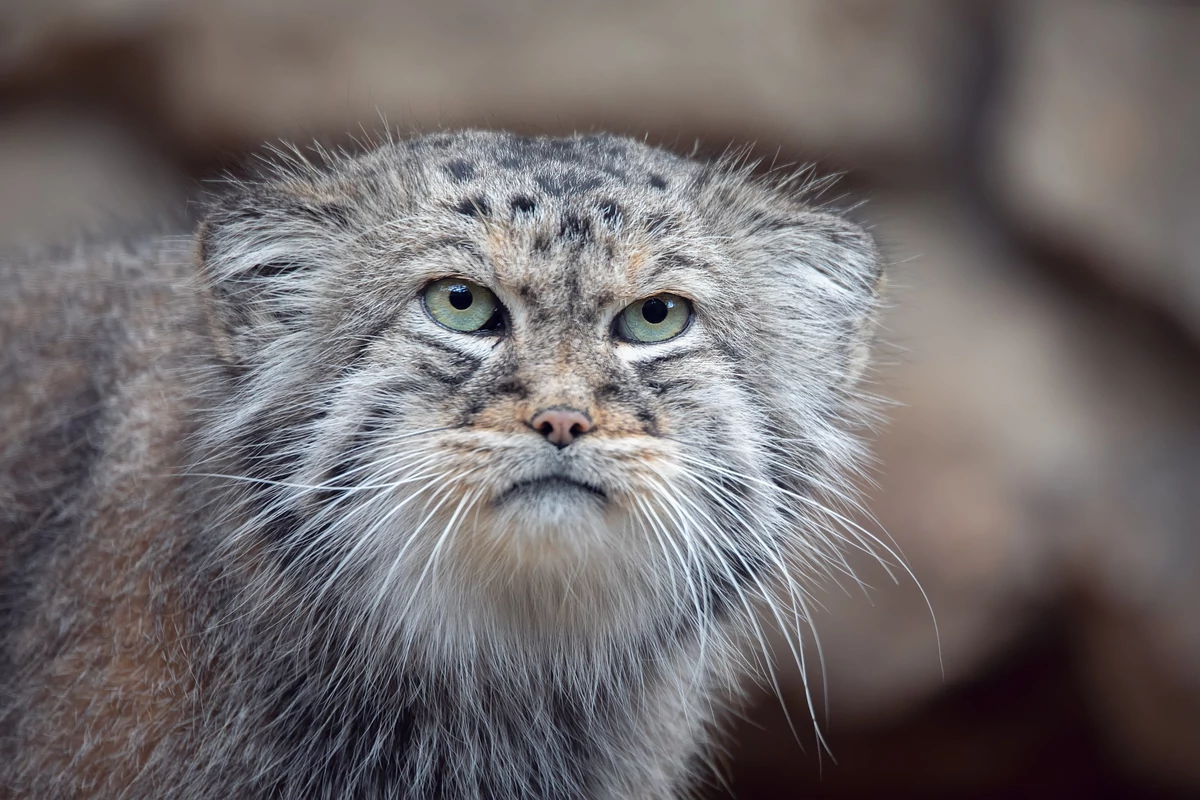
276, 520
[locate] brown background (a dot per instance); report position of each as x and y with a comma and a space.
1033, 171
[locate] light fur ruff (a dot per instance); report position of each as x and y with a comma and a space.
259, 535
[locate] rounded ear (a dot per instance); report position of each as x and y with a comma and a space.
850, 259
260, 250
828, 276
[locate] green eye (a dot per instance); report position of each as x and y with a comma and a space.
654, 319
463, 306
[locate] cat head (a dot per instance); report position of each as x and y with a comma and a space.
502, 381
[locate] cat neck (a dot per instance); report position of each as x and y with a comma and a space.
344, 717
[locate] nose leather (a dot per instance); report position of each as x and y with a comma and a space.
561, 425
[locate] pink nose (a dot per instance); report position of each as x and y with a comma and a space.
560, 425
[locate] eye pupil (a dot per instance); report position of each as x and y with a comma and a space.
654, 311
460, 297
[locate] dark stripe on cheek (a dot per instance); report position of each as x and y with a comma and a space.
648, 419
512, 387
448, 379
728, 350
363, 445
477, 403
661, 387
666, 358
436, 343
453, 371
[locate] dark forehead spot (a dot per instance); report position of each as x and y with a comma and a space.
473, 207
567, 183
610, 211
523, 205
574, 226
658, 181
460, 170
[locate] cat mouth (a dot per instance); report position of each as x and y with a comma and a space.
550, 484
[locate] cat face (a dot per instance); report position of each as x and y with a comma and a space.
535, 379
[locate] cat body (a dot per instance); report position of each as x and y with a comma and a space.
282, 514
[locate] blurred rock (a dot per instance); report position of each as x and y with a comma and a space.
1096, 140
858, 81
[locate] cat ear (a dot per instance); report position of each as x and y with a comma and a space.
828, 274
260, 250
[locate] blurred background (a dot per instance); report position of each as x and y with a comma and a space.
1032, 170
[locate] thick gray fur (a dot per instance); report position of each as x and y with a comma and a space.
259, 535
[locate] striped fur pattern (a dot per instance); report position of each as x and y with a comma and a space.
269, 530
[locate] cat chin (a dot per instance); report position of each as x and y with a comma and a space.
549, 572
546, 559
539, 528
548, 534
551, 504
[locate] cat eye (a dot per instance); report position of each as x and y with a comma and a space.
463, 306
654, 319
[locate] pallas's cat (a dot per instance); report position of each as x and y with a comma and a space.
462, 467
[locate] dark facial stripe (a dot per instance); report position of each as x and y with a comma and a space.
648, 419
661, 386
435, 343
451, 373
667, 358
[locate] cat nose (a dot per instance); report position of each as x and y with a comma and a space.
560, 425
